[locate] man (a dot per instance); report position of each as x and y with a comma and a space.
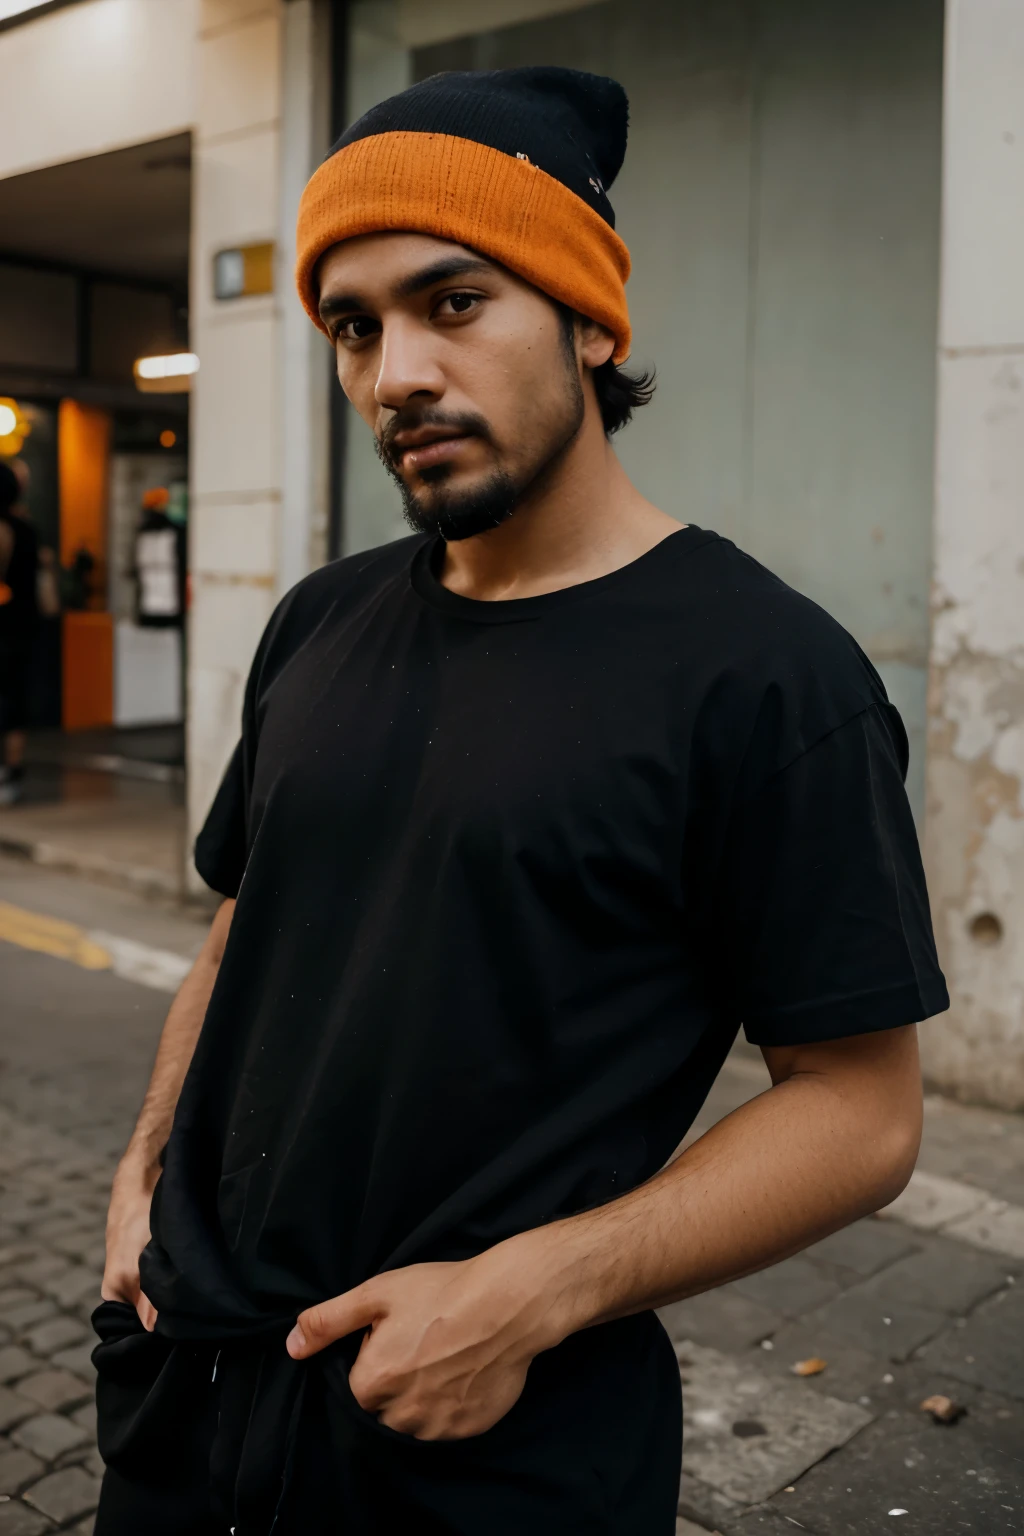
19, 612
530, 812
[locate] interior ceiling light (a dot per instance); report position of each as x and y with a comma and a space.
167, 366
169, 374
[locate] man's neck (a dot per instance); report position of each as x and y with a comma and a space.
585, 520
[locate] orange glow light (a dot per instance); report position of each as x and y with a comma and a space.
168, 438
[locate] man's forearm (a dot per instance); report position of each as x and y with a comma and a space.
811, 1154
449, 1343
141, 1160
128, 1216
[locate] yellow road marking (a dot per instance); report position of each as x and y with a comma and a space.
51, 936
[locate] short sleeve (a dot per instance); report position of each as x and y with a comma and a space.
221, 847
827, 927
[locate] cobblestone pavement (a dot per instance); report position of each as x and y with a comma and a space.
898, 1314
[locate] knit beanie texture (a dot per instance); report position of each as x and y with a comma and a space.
514, 163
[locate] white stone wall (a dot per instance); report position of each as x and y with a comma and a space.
95, 77
236, 447
975, 773
259, 409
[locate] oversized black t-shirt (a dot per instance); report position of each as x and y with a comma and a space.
510, 876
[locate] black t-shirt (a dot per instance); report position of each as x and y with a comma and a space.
510, 876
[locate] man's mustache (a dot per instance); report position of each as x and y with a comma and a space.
412, 418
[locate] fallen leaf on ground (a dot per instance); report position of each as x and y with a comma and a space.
811, 1367
943, 1409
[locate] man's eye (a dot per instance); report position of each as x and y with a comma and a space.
461, 303
357, 328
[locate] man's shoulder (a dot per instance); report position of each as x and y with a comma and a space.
350, 575
770, 652
329, 593
759, 619
340, 583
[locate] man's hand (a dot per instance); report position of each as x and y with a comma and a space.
449, 1344
127, 1235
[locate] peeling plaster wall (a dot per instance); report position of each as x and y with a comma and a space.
975, 771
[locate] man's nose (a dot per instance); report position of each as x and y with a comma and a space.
408, 367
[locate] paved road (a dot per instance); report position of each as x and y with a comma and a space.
899, 1309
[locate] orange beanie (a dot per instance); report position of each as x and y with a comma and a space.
438, 159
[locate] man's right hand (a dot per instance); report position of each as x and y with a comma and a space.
127, 1235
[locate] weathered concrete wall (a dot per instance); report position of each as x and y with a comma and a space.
975, 807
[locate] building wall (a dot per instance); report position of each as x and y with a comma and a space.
235, 493
975, 813
94, 77
259, 408
250, 80
780, 199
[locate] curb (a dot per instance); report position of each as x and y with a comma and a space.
142, 880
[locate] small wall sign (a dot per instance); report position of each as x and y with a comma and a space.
243, 270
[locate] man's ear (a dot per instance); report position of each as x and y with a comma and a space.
596, 343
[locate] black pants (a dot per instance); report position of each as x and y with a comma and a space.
199, 1441
15, 672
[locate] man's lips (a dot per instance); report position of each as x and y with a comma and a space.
423, 452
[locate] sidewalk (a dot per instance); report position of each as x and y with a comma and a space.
889, 1313
927, 1301
108, 805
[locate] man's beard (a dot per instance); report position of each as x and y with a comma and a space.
463, 514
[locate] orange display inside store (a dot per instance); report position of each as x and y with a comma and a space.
83, 465
87, 671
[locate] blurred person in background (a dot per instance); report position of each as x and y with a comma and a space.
19, 614
160, 564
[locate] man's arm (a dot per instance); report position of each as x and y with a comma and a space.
833, 1139
139, 1168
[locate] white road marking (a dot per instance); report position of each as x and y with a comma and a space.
93, 951
158, 968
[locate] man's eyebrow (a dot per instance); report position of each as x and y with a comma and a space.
448, 266
334, 304
340, 304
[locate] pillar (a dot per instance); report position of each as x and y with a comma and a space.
258, 471
975, 771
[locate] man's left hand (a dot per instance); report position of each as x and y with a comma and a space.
448, 1345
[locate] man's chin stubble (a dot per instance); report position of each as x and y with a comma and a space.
459, 515
466, 514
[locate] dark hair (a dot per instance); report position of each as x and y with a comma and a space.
10, 487
619, 393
